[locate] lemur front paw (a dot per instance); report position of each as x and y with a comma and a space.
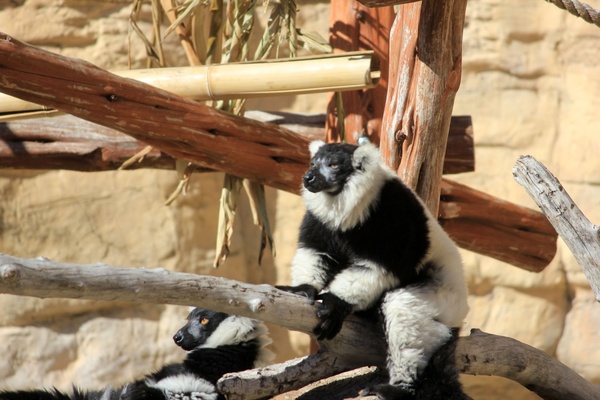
332, 311
308, 291
385, 391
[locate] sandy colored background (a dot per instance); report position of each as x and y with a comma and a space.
531, 83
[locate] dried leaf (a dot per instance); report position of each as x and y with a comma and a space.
184, 171
314, 42
228, 205
182, 12
258, 204
137, 157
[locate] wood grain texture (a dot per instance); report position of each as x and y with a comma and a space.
425, 73
579, 234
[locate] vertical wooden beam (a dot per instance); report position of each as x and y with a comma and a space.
356, 27
425, 73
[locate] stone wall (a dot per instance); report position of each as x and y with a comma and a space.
531, 84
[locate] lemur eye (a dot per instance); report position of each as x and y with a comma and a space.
312, 164
204, 321
334, 165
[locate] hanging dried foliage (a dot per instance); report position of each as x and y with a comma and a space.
215, 32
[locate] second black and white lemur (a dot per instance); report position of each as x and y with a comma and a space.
217, 343
367, 242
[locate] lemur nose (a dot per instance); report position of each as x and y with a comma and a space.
309, 177
178, 338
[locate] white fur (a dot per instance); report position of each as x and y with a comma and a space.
235, 329
412, 330
314, 146
362, 284
200, 388
352, 206
451, 293
308, 269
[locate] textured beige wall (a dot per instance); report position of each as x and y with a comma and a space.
531, 84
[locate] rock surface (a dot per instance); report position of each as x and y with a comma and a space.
530, 83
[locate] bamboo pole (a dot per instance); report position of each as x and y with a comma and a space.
300, 75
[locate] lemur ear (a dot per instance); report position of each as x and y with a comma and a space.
315, 146
363, 155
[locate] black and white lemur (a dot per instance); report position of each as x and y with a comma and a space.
368, 242
217, 344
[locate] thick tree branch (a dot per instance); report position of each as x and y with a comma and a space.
477, 354
485, 354
176, 125
579, 234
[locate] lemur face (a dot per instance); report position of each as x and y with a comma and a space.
200, 326
330, 167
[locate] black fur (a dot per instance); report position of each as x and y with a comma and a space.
204, 363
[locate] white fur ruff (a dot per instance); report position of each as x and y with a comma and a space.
182, 386
352, 206
234, 330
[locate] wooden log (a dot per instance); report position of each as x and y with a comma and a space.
505, 231
425, 72
353, 26
477, 354
176, 125
67, 142
580, 235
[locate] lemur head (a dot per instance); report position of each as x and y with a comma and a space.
343, 181
331, 166
211, 329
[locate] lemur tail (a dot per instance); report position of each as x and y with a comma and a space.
440, 378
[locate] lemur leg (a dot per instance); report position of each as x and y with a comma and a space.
413, 333
356, 288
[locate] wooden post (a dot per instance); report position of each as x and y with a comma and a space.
425, 72
354, 27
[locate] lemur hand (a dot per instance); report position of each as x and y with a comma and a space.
332, 311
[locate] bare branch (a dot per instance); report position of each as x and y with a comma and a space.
44, 278
579, 234
477, 354
485, 354
67, 142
